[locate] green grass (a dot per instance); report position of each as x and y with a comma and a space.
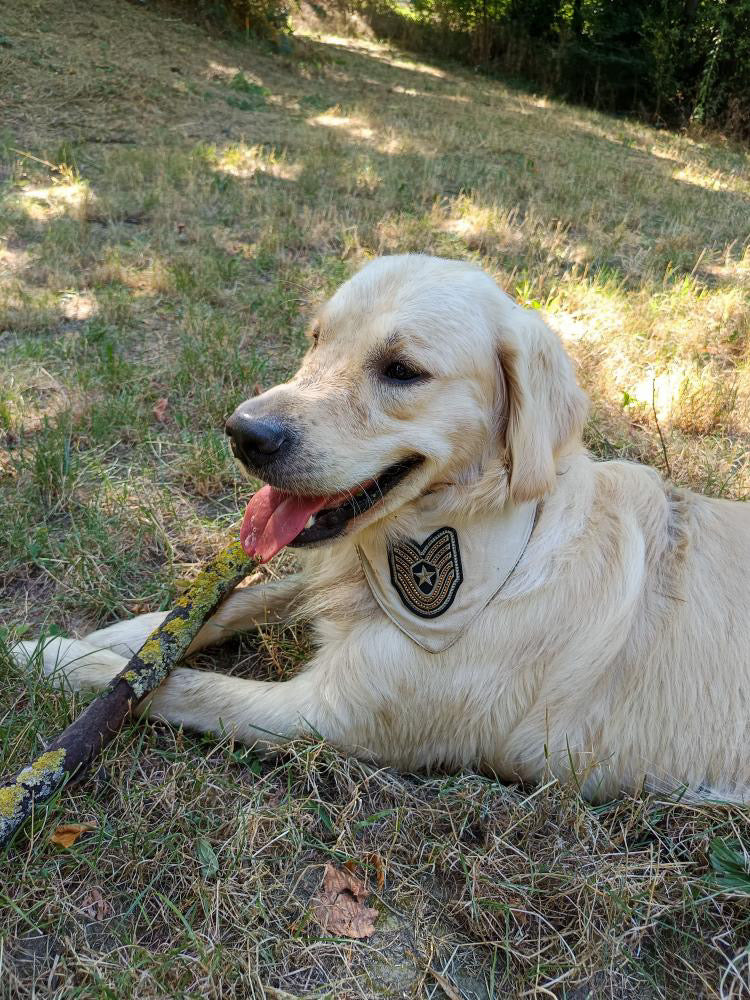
173, 207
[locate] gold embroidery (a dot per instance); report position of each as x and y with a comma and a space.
427, 575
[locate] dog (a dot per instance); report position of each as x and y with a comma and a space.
484, 593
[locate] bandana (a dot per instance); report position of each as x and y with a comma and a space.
434, 585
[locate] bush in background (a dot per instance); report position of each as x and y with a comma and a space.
674, 62
262, 18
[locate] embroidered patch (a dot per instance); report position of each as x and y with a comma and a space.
427, 576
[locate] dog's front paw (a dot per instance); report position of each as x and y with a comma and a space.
69, 662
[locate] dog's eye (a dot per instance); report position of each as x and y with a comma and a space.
399, 371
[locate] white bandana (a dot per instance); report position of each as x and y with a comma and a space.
433, 586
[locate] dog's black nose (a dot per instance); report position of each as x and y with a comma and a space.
256, 440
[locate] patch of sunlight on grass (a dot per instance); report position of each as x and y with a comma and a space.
13, 260
78, 305
224, 73
412, 92
51, 201
382, 54
354, 127
729, 269
693, 399
245, 161
717, 180
361, 129
662, 390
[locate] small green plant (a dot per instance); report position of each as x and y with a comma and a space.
241, 83
253, 96
243, 104
731, 863
314, 102
55, 461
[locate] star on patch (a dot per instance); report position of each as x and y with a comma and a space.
425, 575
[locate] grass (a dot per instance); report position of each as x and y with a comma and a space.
173, 207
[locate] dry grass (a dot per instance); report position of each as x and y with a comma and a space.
173, 205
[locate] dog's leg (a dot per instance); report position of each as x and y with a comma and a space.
200, 700
92, 661
269, 711
71, 662
243, 609
126, 637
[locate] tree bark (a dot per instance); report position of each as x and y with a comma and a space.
98, 725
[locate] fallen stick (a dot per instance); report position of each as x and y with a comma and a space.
98, 725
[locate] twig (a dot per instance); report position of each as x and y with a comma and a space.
86, 737
661, 436
52, 166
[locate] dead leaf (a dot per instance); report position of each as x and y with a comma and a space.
340, 907
160, 409
67, 834
377, 862
95, 906
517, 909
445, 985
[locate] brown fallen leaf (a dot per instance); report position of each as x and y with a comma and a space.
445, 985
340, 907
377, 862
95, 906
67, 834
272, 994
517, 909
160, 409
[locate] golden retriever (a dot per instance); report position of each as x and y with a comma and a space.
484, 593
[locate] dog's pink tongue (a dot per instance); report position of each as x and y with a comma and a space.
273, 519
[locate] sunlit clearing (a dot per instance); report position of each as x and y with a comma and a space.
78, 305
246, 161
53, 200
715, 181
352, 126
12, 260
378, 52
660, 391
220, 71
695, 400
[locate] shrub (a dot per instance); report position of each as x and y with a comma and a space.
262, 18
673, 61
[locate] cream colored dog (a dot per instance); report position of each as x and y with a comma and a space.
597, 618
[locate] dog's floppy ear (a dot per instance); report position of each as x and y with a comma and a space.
545, 409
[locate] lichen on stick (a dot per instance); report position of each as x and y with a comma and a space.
98, 725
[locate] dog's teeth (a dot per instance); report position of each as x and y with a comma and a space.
310, 521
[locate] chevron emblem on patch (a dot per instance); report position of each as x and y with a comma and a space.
427, 575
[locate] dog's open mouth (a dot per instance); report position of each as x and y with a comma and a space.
274, 519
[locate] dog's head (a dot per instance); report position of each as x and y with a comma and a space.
420, 373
